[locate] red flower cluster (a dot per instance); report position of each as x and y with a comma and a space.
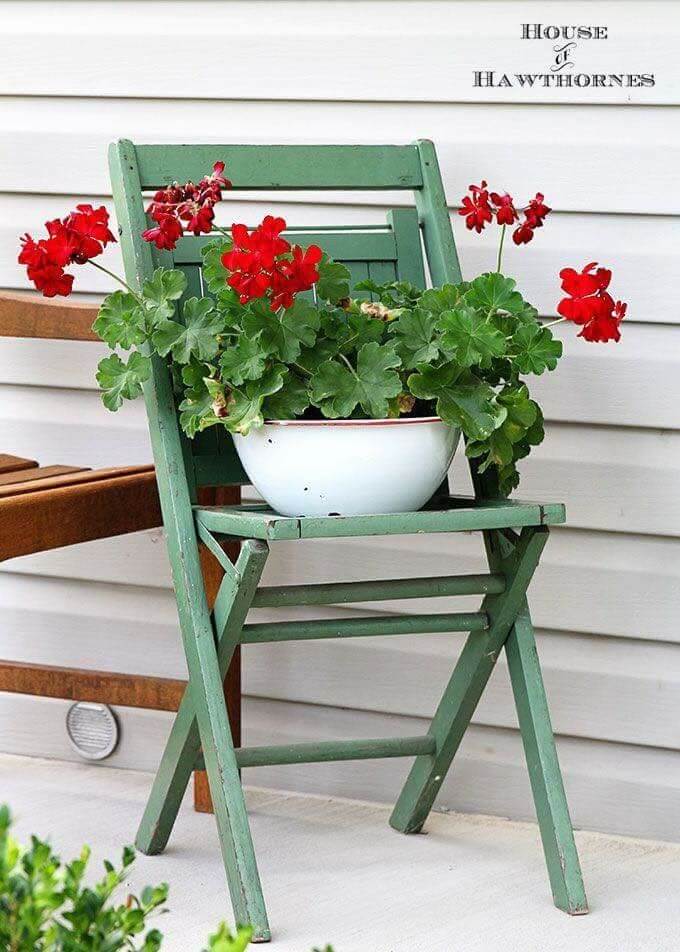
261, 263
484, 205
590, 304
188, 207
75, 239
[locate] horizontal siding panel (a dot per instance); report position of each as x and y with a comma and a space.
641, 250
615, 689
514, 145
72, 425
409, 52
611, 787
593, 582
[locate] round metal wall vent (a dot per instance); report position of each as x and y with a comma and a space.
92, 729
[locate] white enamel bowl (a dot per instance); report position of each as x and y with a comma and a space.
347, 467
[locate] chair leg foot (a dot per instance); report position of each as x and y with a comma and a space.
552, 810
177, 762
467, 683
264, 935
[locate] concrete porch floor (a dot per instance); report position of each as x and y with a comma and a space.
333, 871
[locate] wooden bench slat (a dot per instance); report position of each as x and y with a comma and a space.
70, 477
27, 315
80, 684
37, 473
10, 464
52, 518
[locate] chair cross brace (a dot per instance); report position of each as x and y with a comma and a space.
323, 751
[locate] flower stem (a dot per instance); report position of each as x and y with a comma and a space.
223, 231
302, 369
500, 249
115, 277
560, 320
352, 370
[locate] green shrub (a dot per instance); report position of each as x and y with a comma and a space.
46, 907
44, 904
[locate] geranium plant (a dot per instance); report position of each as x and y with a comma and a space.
280, 333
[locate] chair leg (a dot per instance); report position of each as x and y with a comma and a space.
202, 722
552, 811
469, 677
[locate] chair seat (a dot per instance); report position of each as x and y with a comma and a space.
456, 514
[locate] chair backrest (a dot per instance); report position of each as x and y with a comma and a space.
384, 252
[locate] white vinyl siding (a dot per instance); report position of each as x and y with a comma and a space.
606, 599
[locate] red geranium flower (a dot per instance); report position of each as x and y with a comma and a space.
165, 234
249, 284
52, 280
297, 274
199, 218
302, 269
92, 227
534, 216
253, 259
587, 290
523, 234
480, 209
506, 212
188, 203
476, 210
536, 211
75, 239
260, 262
590, 304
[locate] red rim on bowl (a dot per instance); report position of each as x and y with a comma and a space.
390, 422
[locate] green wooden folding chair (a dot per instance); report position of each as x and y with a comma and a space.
514, 532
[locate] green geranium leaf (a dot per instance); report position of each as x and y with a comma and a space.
214, 273
246, 360
201, 391
446, 298
289, 402
521, 429
215, 280
333, 283
245, 405
535, 349
415, 332
494, 292
310, 358
470, 338
162, 290
122, 381
394, 294
196, 411
120, 321
351, 329
196, 337
283, 336
462, 398
337, 389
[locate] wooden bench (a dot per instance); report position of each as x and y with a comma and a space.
46, 506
